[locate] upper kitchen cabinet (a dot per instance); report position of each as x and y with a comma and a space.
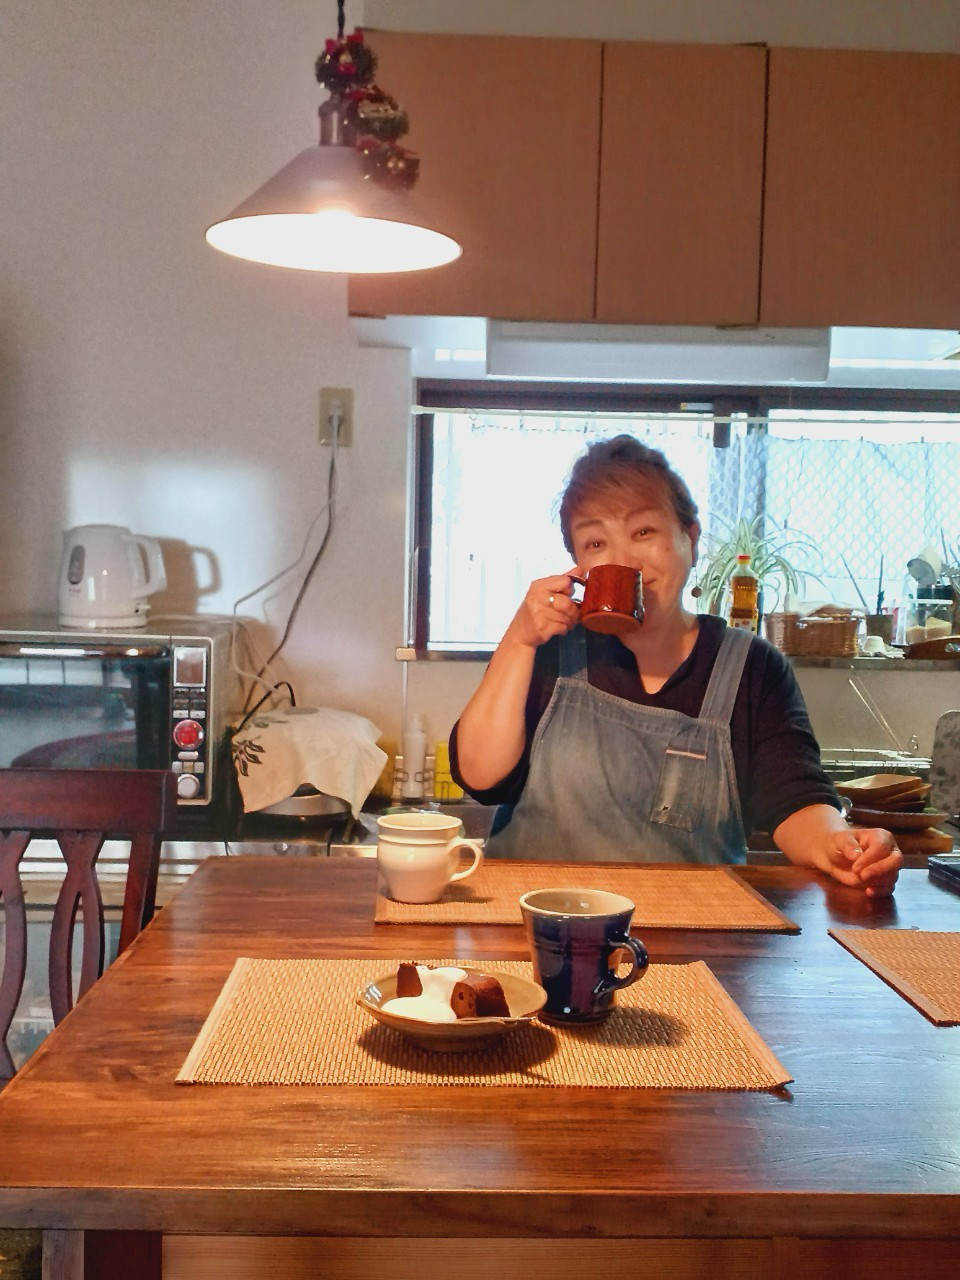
508, 132
862, 195
681, 184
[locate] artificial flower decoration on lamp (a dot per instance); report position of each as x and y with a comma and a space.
343, 205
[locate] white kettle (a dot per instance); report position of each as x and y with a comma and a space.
106, 573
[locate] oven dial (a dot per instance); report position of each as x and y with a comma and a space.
187, 734
188, 786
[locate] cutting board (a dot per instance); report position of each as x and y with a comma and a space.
945, 764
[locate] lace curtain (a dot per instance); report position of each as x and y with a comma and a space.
860, 488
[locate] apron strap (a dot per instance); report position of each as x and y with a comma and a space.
573, 654
725, 678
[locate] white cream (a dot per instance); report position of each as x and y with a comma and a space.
433, 1005
423, 1008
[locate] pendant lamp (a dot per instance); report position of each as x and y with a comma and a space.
343, 205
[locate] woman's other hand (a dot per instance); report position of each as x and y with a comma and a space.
547, 610
866, 858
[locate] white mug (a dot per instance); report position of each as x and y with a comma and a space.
419, 854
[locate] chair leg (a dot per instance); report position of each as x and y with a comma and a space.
121, 1255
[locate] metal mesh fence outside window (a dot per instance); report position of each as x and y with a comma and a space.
861, 486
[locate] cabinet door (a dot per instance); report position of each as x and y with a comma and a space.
681, 176
507, 130
862, 197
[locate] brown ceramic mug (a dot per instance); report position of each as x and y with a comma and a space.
612, 599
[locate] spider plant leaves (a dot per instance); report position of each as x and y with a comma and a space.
782, 558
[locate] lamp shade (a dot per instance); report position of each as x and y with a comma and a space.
320, 213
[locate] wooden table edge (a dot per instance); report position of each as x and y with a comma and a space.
378, 1213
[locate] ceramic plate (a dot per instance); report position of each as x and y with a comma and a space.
524, 1000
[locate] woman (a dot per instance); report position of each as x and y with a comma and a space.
664, 744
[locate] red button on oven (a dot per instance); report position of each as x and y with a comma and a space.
187, 734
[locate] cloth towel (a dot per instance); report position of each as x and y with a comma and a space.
334, 751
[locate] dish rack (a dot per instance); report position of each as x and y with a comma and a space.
816, 635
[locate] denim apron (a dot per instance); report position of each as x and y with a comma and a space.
613, 781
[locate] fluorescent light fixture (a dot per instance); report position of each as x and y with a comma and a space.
856, 362
638, 353
860, 348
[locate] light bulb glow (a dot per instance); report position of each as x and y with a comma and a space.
333, 239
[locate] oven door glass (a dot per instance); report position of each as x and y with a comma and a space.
103, 710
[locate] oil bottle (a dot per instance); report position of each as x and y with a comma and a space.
744, 595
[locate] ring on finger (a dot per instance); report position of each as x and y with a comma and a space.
550, 600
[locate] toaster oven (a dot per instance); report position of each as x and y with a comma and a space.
159, 698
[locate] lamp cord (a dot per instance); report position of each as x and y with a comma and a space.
340, 19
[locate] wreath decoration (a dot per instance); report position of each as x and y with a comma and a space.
346, 68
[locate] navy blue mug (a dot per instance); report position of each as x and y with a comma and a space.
575, 936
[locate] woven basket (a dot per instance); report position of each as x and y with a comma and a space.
833, 636
781, 629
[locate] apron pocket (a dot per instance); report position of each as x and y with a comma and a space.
679, 798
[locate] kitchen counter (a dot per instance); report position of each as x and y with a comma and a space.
877, 664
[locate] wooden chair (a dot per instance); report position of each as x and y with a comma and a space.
80, 809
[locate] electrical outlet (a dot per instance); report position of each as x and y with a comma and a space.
335, 400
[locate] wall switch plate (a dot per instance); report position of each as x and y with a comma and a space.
336, 400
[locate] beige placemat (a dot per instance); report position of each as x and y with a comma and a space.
924, 967
666, 897
297, 1022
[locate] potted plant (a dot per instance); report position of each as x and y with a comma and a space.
781, 558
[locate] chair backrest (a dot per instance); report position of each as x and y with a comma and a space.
80, 809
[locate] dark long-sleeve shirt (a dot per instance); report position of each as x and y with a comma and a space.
775, 754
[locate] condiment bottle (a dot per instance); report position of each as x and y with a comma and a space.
744, 595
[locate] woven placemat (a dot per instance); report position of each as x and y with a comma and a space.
922, 966
665, 897
297, 1022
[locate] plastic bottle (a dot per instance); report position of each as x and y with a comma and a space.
444, 787
744, 596
414, 759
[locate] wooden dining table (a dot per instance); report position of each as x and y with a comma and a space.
854, 1168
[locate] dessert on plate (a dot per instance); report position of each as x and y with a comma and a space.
446, 994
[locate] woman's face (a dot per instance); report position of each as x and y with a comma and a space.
643, 533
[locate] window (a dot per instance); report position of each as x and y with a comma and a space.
863, 481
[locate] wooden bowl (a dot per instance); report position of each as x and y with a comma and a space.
894, 820
524, 1000
876, 790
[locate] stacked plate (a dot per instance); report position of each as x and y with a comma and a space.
897, 802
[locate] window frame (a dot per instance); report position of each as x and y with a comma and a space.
490, 395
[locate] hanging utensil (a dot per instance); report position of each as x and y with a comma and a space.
874, 710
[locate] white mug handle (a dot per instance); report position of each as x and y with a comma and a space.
460, 843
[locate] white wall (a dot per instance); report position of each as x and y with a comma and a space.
147, 380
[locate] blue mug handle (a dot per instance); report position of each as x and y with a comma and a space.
640, 962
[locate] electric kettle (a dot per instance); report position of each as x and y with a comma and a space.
106, 573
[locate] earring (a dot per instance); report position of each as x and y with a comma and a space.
696, 590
